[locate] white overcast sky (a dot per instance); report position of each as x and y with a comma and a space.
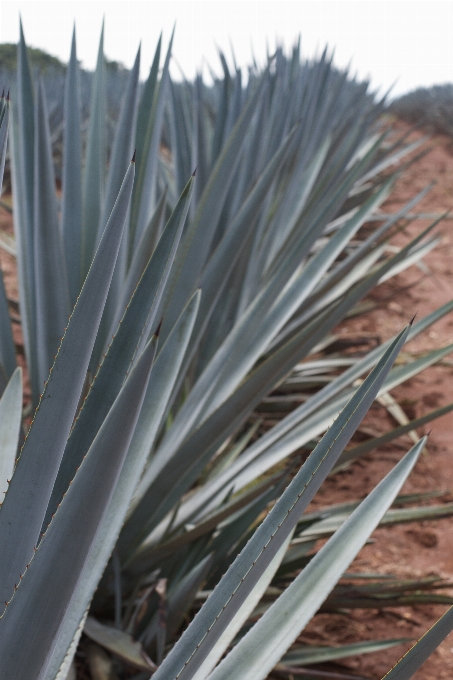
404, 42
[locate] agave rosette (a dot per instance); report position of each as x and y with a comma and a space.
193, 297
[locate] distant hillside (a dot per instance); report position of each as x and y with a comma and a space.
41, 60
430, 107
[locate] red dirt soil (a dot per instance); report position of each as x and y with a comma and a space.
418, 549
408, 550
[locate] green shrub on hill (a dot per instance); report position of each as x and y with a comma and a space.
39, 59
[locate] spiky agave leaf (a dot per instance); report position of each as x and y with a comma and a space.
274, 239
46, 589
239, 581
41, 454
261, 649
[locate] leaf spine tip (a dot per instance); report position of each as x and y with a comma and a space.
194, 172
7, 96
412, 320
133, 157
158, 328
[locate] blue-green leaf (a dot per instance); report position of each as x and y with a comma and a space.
145, 194
46, 589
71, 202
25, 503
138, 320
52, 294
239, 581
10, 421
94, 175
7, 350
264, 645
419, 653
163, 375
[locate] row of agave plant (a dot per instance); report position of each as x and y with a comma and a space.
52, 73
142, 482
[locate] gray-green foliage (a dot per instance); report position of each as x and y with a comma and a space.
193, 297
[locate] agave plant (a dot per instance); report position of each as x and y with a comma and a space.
144, 447
52, 73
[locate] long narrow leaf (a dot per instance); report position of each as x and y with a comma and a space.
196, 450
122, 150
117, 642
198, 238
419, 653
239, 581
165, 370
20, 521
146, 178
10, 420
71, 203
261, 649
242, 615
367, 446
139, 319
46, 589
94, 176
22, 148
51, 286
7, 349
312, 654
